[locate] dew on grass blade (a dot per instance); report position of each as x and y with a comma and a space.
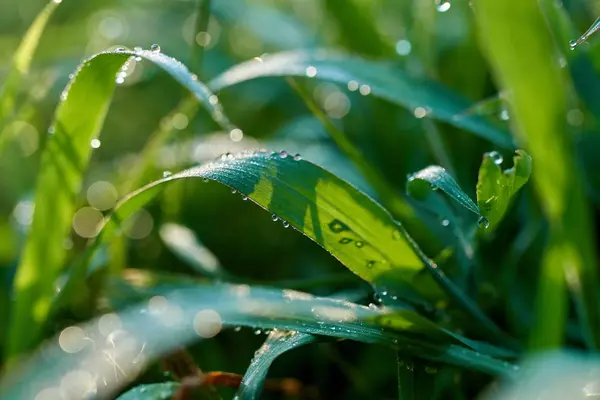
483, 222
442, 5
155, 48
592, 30
496, 157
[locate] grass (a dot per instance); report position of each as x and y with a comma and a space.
418, 261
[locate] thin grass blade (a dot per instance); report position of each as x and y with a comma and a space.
376, 78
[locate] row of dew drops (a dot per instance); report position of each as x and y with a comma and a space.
235, 133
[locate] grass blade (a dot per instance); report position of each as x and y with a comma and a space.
22, 59
184, 244
178, 314
435, 177
538, 104
352, 227
78, 120
496, 188
276, 344
379, 79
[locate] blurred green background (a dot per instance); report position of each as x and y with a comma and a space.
425, 38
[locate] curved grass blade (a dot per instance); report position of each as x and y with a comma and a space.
276, 344
496, 188
152, 391
383, 81
435, 177
78, 120
178, 314
351, 226
184, 244
22, 59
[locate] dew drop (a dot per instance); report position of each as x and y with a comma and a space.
286, 224
496, 157
233, 191
504, 116
95, 143
137, 49
359, 244
283, 154
237, 329
205, 180
244, 198
167, 174
257, 332
297, 157
445, 222
155, 48
573, 44
274, 218
483, 222
442, 6
119, 49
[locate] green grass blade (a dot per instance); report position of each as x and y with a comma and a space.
538, 96
152, 391
276, 344
178, 314
379, 79
185, 245
345, 222
435, 177
78, 120
22, 59
496, 188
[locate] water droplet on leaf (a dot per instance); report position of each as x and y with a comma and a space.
496, 157
155, 48
483, 222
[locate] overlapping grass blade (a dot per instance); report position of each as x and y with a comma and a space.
382, 81
177, 314
538, 106
22, 59
276, 344
78, 120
